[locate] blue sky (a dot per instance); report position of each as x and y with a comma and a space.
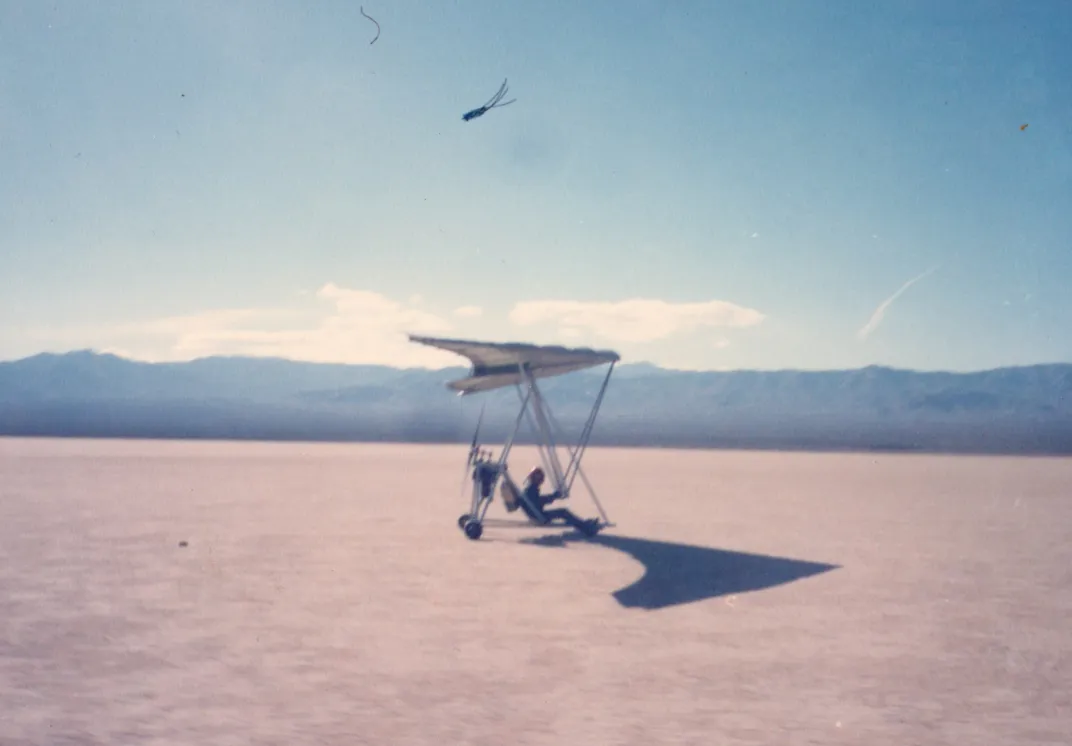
697, 184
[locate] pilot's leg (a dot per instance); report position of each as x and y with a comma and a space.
586, 527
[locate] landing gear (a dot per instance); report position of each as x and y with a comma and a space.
472, 528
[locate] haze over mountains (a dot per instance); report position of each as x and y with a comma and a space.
1008, 410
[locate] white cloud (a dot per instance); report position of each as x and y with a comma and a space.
344, 326
202, 323
880, 312
635, 320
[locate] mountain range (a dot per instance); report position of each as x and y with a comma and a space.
83, 393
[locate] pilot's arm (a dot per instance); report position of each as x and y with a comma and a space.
545, 500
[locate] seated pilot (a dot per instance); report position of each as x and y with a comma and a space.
531, 496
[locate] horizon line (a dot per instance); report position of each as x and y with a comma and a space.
638, 363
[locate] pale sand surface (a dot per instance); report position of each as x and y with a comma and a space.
327, 597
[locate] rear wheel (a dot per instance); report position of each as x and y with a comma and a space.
473, 530
462, 520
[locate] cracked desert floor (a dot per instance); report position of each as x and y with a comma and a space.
324, 595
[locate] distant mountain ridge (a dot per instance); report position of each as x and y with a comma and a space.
1024, 409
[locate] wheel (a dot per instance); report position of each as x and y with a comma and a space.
462, 520
473, 530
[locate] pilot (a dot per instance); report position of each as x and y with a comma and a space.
532, 495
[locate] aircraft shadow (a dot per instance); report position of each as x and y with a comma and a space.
677, 574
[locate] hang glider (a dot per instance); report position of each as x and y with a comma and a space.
497, 365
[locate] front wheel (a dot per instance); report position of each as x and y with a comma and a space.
462, 520
473, 530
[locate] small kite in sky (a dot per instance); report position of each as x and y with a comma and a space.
1023, 127
374, 21
492, 103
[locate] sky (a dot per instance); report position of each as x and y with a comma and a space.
701, 185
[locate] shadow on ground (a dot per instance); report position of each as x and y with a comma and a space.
681, 573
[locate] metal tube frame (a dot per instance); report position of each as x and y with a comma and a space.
480, 504
545, 425
541, 419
